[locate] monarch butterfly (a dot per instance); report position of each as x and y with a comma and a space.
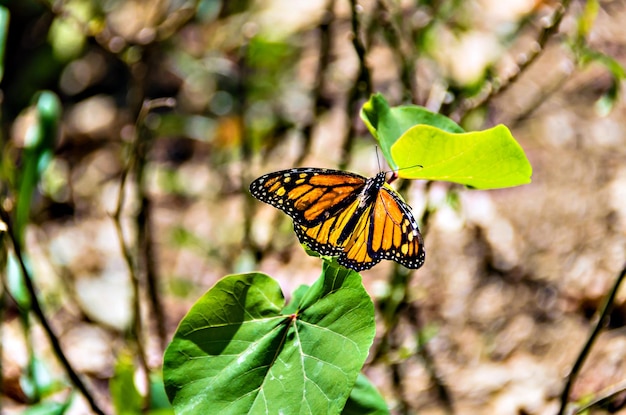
360, 220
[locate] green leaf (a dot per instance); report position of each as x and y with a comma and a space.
235, 352
296, 299
487, 159
48, 408
388, 124
37, 382
15, 282
587, 56
605, 104
4, 30
41, 139
587, 18
66, 34
49, 110
365, 399
126, 398
159, 404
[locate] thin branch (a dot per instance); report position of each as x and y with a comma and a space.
137, 329
145, 110
359, 47
38, 311
133, 164
498, 86
145, 237
443, 394
602, 320
404, 54
535, 105
362, 86
604, 397
319, 104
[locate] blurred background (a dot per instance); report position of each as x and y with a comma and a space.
178, 105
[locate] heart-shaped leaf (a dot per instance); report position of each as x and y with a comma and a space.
487, 159
236, 352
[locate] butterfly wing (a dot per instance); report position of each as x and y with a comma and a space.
344, 235
361, 221
394, 233
368, 230
310, 196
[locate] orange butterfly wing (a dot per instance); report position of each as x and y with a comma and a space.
308, 195
337, 237
386, 229
395, 235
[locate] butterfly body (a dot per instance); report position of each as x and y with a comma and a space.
336, 213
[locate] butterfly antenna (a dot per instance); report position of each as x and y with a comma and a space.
410, 167
394, 173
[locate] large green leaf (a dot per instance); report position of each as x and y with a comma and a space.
387, 124
235, 352
487, 159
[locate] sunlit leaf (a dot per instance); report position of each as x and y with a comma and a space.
588, 17
236, 352
66, 34
387, 124
487, 159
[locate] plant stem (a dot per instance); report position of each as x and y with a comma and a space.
135, 164
38, 311
602, 319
